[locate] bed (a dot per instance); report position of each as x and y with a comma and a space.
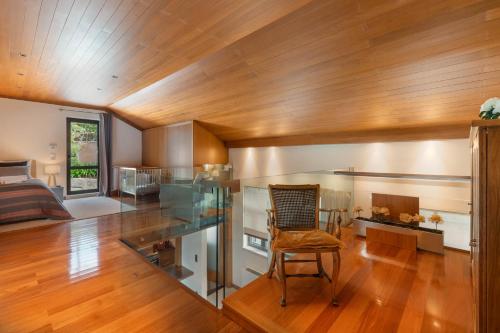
24, 198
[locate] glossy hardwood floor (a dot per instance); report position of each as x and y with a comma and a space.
381, 289
77, 277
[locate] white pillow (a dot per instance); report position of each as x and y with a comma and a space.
13, 179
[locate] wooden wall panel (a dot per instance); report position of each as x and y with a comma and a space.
179, 141
397, 204
492, 231
207, 148
168, 146
485, 226
152, 140
182, 145
150, 147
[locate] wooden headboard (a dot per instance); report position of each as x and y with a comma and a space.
32, 165
397, 204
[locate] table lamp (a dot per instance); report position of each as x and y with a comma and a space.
52, 170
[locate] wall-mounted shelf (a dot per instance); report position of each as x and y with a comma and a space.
404, 176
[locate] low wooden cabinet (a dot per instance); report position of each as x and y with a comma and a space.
400, 240
485, 226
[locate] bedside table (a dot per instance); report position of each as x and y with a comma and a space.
58, 192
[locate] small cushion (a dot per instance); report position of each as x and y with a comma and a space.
14, 171
23, 163
314, 239
13, 179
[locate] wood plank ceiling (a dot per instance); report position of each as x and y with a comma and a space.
96, 52
251, 70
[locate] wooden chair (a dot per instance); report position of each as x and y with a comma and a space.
293, 223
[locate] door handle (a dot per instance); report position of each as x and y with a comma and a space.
473, 243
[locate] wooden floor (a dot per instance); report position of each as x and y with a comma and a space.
381, 289
77, 277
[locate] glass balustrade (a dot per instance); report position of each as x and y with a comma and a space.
185, 232
210, 232
250, 238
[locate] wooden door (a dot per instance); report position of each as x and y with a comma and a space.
490, 233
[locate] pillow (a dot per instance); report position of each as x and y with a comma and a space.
13, 163
15, 168
14, 171
13, 179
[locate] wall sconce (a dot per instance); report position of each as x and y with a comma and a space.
52, 151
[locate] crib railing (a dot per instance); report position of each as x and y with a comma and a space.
139, 181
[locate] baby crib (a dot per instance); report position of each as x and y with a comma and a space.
139, 181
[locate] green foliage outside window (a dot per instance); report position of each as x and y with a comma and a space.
84, 173
82, 133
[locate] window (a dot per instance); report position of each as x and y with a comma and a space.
257, 243
82, 156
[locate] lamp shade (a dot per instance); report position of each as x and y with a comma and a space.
52, 169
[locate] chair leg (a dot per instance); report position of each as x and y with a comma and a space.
335, 275
338, 232
271, 266
319, 264
282, 277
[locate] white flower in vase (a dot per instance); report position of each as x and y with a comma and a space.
490, 109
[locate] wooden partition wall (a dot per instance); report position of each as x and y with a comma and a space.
185, 144
207, 148
485, 228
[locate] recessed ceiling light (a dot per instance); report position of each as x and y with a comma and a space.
115, 76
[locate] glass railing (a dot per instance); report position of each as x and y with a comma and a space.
139, 187
210, 232
184, 231
448, 198
250, 246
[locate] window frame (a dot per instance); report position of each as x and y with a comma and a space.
70, 120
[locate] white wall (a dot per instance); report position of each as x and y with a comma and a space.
127, 144
27, 129
445, 157
126, 147
243, 259
195, 244
431, 157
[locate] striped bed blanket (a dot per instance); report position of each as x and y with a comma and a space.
29, 200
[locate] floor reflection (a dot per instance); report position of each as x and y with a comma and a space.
84, 245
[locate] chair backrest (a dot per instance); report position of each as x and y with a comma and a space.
296, 207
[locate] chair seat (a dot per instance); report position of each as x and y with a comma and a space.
303, 240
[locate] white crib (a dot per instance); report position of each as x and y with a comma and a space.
138, 181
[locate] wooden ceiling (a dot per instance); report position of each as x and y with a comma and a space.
96, 52
254, 70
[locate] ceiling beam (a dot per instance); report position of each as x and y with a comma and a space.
395, 134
